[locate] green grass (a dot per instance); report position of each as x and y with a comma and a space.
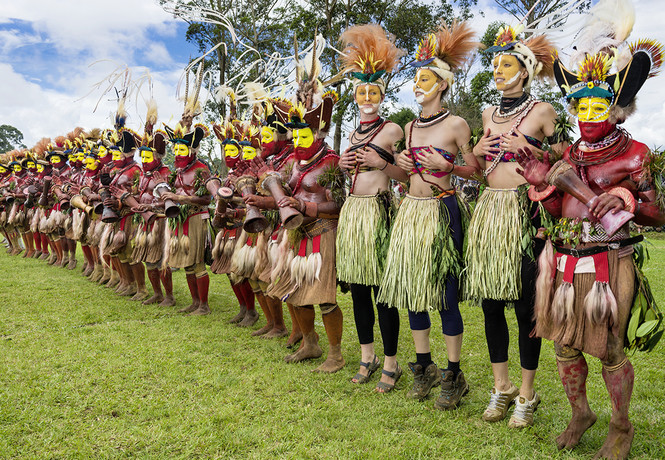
84, 373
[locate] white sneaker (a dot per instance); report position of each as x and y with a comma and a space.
499, 404
523, 413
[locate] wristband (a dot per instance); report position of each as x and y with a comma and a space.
384, 166
535, 195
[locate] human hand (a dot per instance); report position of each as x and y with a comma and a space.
532, 169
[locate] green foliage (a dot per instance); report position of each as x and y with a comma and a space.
655, 175
402, 117
334, 179
645, 326
567, 230
10, 138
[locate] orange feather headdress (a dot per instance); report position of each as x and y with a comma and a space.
445, 50
369, 54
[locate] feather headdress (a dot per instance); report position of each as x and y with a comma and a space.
535, 53
369, 53
602, 48
317, 104
445, 50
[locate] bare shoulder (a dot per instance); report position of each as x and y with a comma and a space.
393, 130
487, 113
545, 109
458, 122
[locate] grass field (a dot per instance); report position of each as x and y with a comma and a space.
86, 374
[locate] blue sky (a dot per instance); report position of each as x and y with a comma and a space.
47, 48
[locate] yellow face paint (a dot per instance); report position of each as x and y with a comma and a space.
55, 159
17, 168
426, 84
80, 156
40, 167
368, 94
102, 152
180, 150
248, 152
91, 163
31, 164
3, 170
267, 135
593, 109
147, 156
507, 71
116, 155
71, 157
231, 151
303, 138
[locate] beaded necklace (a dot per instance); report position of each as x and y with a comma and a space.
424, 122
521, 104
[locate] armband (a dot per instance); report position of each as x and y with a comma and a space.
629, 200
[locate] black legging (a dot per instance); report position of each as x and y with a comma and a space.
363, 312
496, 328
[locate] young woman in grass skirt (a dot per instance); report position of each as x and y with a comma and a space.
424, 258
589, 287
364, 221
501, 250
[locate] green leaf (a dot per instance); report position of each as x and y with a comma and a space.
632, 327
650, 316
646, 328
652, 342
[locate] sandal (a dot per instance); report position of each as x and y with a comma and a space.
383, 387
371, 368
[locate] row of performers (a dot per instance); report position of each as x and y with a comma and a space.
281, 226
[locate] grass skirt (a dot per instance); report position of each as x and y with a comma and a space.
188, 249
421, 255
494, 249
362, 223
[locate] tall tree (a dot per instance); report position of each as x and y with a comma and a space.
10, 138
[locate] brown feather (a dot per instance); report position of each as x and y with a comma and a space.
369, 39
544, 51
455, 43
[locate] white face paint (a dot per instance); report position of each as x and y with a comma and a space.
426, 84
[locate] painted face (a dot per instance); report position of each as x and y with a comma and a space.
80, 156
91, 163
71, 157
368, 98
55, 159
181, 150
303, 138
593, 109
267, 135
248, 152
3, 170
425, 85
116, 155
17, 168
40, 167
147, 156
31, 165
102, 152
507, 71
231, 151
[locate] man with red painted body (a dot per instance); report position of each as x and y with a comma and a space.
601, 183
149, 241
189, 234
123, 179
313, 275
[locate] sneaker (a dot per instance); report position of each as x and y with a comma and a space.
423, 380
452, 390
523, 413
500, 401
